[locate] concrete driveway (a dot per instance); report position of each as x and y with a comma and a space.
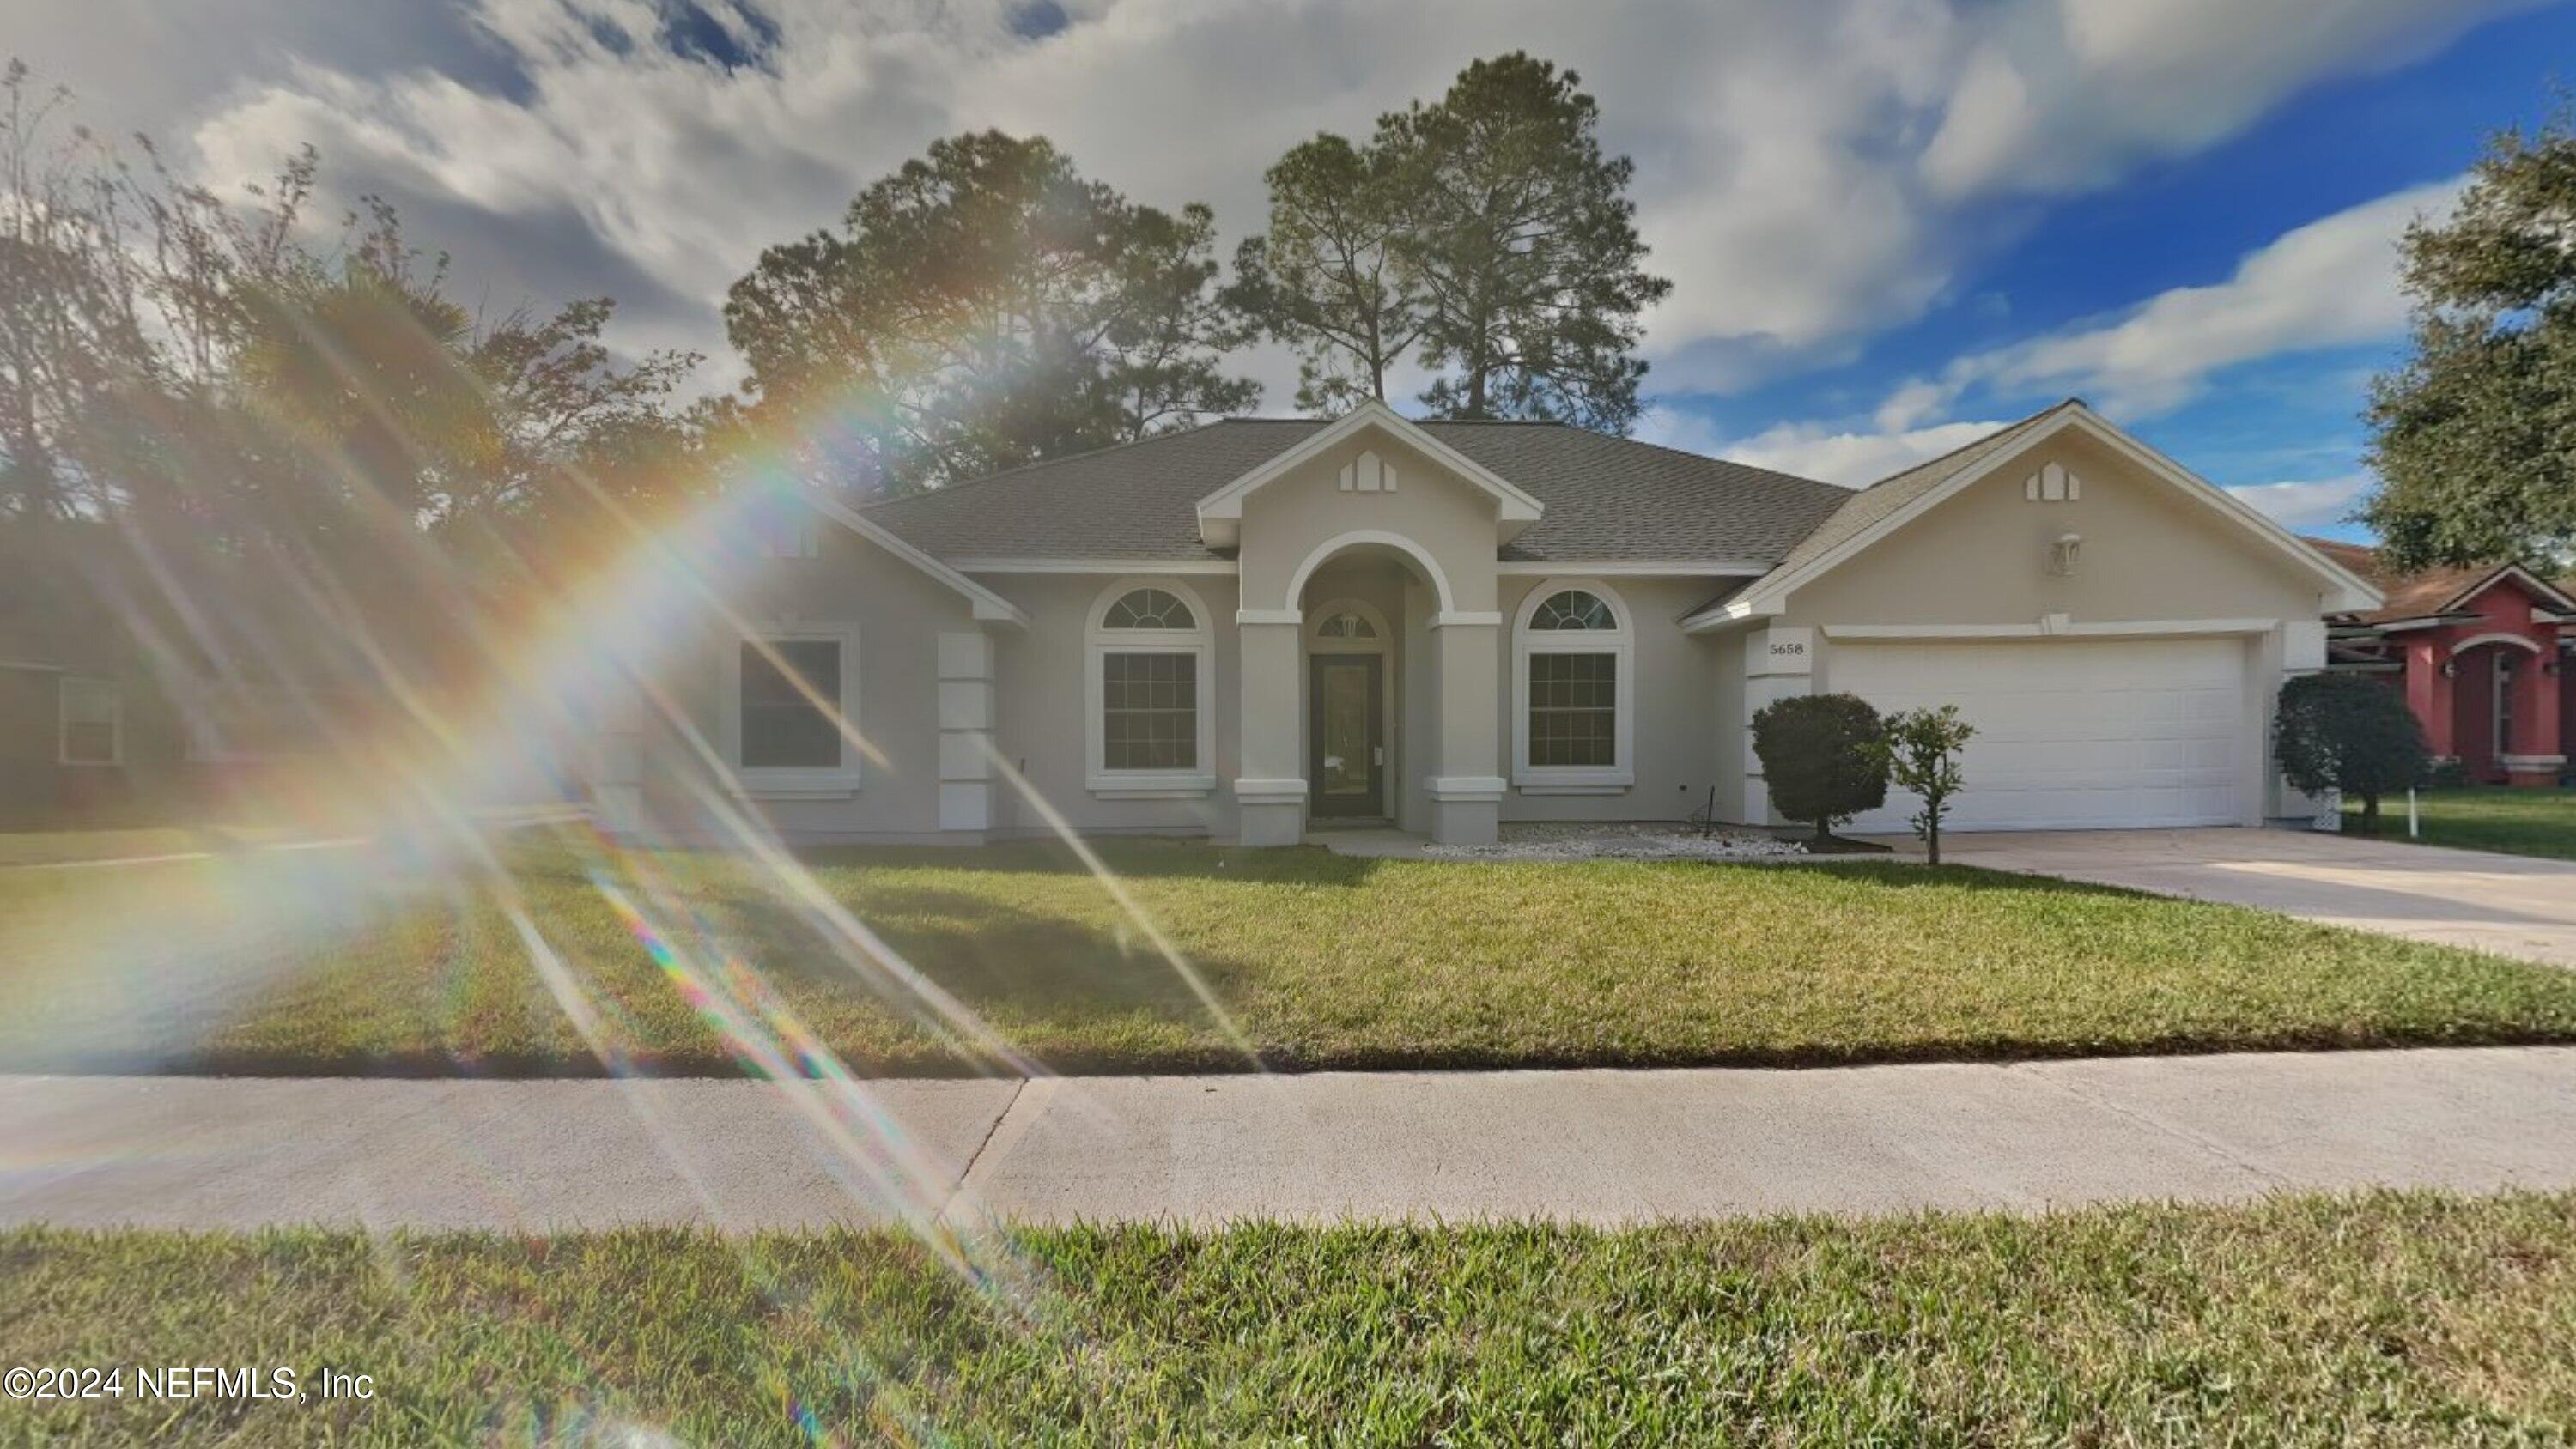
2510, 904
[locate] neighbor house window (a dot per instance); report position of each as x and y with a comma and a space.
1151, 726
1573, 713
794, 699
92, 722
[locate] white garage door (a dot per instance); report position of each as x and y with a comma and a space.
2072, 734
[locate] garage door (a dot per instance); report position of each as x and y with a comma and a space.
2072, 734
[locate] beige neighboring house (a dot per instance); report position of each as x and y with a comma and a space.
1257, 628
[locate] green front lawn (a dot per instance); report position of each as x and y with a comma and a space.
1324, 962
2388, 1318
2486, 817
70, 847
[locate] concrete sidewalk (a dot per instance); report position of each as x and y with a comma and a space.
1593, 1146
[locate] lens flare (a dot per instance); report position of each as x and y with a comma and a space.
418, 811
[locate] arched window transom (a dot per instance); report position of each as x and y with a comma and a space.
1574, 609
1149, 609
1346, 626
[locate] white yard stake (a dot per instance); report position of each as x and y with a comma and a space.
2414, 828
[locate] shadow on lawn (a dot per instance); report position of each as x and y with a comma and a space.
1157, 858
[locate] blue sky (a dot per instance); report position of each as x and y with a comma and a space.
1890, 223
2288, 417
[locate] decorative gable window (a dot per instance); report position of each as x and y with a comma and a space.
1368, 473
1149, 692
1574, 691
795, 535
90, 722
2052, 484
784, 524
792, 699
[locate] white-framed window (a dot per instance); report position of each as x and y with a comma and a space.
1150, 691
90, 722
791, 706
1574, 690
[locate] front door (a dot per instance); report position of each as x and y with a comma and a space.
1346, 753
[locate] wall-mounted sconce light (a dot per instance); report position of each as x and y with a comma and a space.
2062, 554
2450, 669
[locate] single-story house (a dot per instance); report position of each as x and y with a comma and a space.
1258, 626
2481, 653
97, 727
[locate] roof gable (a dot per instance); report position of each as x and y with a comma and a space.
2445, 589
1220, 513
1892, 502
987, 606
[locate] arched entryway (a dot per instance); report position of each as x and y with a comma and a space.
1366, 606
1352, 699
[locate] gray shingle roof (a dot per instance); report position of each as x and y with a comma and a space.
1606, 498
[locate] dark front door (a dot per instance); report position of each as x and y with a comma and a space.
1346, 754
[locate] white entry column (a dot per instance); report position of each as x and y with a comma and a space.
1467, 785
1778, 662
966, 731
1270, 788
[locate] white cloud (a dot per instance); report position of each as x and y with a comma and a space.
2317, 503
1805, 168
2061, 95
2330, 283
1853, 459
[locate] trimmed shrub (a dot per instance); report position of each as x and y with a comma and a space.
2349, 732
1820, 755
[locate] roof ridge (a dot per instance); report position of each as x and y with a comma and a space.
1729, 462
977, 482
1978, 441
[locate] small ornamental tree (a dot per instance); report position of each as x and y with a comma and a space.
1819, 755
1922, 755
2349, 732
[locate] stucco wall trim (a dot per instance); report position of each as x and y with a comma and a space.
1448, 788
2046, 629
1324, 553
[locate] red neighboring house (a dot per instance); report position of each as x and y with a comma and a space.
2482, 654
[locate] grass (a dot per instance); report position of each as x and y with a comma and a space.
69, 846
2517, 822
268, 964
2388, 1318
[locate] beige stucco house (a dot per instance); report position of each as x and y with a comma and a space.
1259, 627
